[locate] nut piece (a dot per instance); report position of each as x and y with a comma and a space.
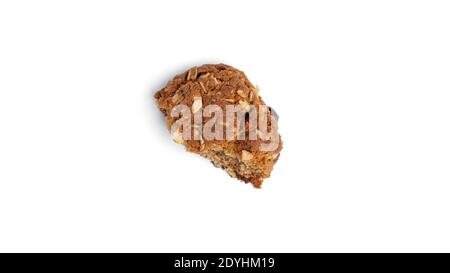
204, 76
177, 136
192, 74
246, 155
177, 97
203, 88
216, 82
197, 105
244, 105
256, 89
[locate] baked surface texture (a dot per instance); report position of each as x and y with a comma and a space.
222, 85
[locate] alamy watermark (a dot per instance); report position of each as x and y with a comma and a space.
231, 122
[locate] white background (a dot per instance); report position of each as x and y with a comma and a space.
362, 89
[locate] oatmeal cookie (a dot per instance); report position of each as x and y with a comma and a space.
247, 152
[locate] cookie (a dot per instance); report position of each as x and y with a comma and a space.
216, 112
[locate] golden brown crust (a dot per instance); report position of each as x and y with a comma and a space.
220, 84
